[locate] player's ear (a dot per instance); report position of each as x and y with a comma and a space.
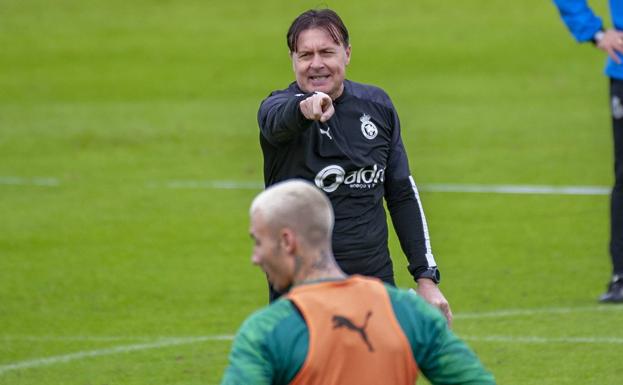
288, 240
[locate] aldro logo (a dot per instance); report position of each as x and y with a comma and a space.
331, 177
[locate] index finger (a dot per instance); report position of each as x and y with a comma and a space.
328, 113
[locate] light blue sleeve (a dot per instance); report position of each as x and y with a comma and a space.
579, 18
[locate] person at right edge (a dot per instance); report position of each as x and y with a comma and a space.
586, 26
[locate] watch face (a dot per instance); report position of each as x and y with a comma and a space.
437, 275
431, 273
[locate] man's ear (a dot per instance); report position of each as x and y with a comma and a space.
288, 240
292, 60
348, 53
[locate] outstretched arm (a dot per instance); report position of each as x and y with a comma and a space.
283, 115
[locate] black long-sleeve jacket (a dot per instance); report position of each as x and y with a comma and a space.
357, 158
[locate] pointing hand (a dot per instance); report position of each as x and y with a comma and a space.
319, 107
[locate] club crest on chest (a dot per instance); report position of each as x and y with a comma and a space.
368, 128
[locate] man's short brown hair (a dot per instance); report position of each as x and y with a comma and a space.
318, 18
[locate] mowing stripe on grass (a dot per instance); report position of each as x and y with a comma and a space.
38, 362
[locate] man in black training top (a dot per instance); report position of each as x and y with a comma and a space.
345, 137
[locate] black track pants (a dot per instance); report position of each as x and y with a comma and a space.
616, 202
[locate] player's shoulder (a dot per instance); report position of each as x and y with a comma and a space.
269, 317
368, 92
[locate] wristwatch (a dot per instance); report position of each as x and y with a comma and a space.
431, 273
598, 36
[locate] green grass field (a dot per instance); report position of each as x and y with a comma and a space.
122, 262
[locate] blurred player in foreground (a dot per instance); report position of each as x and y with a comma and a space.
586, 26
330, 328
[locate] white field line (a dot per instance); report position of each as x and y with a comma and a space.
545, 340
247, 185
172, 341
36, 181
440, 187
518, 189
38, 362
83, 338
529, 312
209, 185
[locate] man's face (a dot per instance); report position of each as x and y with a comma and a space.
269, 254
319, 63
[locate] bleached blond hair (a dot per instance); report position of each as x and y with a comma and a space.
298, 205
